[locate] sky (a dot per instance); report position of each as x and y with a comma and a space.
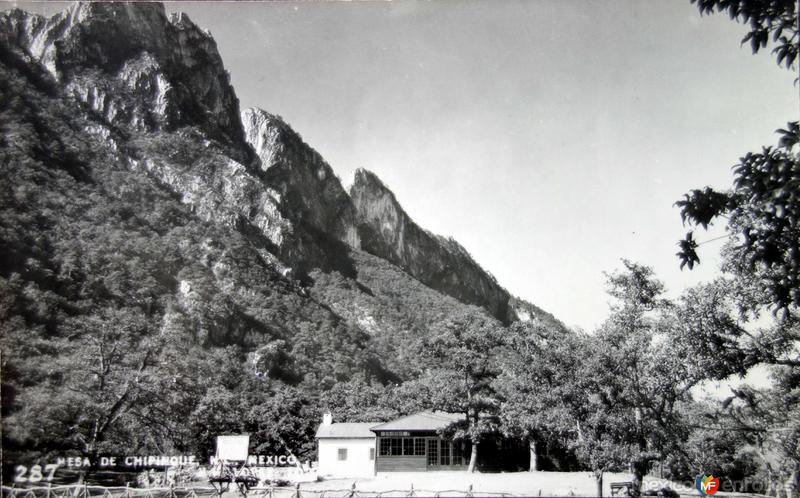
549, 137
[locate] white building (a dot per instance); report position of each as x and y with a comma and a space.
413, 443
345, 449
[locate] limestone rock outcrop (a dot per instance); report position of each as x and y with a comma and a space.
156, 90
134, 65
441, 263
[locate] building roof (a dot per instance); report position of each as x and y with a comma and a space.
423, 421
346, 430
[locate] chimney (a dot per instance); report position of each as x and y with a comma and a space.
327, 418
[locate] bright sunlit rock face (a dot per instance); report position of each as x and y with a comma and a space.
310, 194
388, 232
133, 65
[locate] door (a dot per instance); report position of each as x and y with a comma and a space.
444, 453
433, 453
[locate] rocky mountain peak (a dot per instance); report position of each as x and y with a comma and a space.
365, 180
134, 65
161, 79
312, 195
388, 232
268, 134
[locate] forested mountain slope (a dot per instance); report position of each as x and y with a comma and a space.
172, 268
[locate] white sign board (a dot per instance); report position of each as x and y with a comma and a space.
233, 448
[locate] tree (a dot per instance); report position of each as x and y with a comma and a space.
763, 206
614, 396
726, 454
776, 19
761, 263
461, 353
359, 400
95, 376
536, 381
762, 213
635, 379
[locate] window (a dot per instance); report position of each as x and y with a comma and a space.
342, 454
433, 452
397, 446
445, 452
372, 453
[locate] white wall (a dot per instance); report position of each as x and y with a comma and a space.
357, 464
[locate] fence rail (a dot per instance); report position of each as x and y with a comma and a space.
87, 491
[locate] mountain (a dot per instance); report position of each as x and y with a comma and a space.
314, 214
133, 66
443, 264
172, 268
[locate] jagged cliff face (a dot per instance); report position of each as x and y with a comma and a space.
134, 66
443, 264
159, 95
311, 194
160, 80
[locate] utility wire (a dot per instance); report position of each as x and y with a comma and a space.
727, 235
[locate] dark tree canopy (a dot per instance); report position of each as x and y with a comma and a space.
775, 19
762, 208
763, 220
761, 269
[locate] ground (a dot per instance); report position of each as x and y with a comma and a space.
517, 483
